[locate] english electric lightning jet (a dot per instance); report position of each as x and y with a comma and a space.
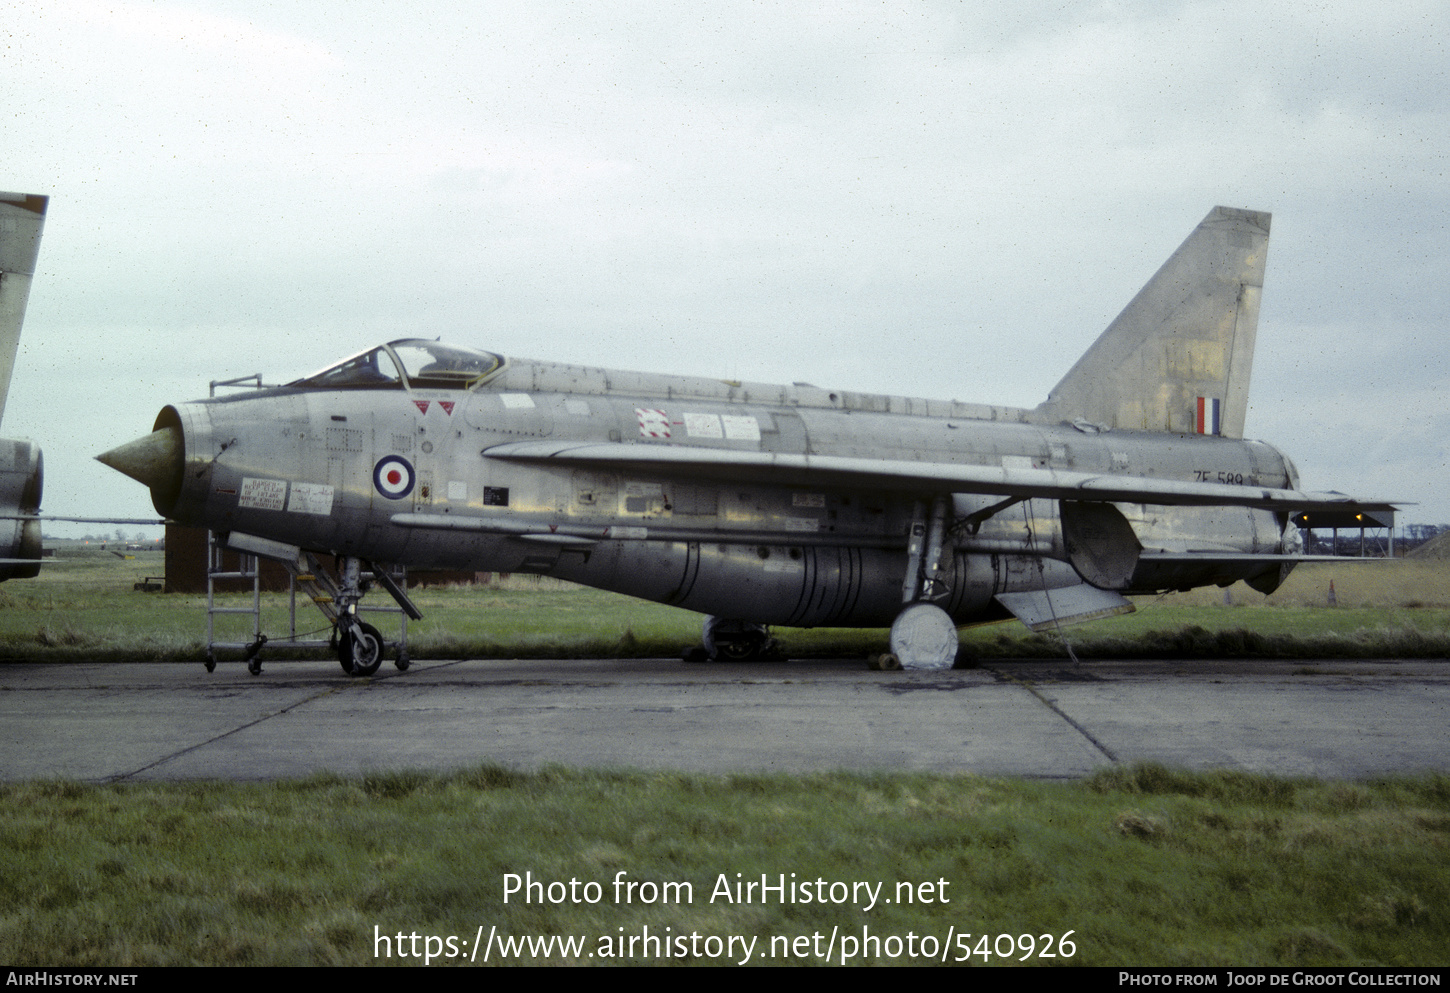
765, 505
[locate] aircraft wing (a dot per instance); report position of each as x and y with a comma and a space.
83, 520
790, 469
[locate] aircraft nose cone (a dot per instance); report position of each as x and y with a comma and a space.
154, 461
151, 460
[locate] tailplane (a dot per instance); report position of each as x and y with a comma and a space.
1178, 357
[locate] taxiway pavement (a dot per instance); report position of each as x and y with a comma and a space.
1051, 719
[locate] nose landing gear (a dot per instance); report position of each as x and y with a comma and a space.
359, 647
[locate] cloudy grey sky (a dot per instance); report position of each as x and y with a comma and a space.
933, 199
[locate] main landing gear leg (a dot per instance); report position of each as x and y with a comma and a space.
923, 636
733, 641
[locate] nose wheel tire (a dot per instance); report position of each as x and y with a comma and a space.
360, 655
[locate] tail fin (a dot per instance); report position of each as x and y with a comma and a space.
21, 218
1178, 357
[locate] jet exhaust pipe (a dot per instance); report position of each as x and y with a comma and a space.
22, 479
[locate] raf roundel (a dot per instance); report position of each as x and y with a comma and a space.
393, 477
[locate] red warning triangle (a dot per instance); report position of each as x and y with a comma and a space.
421, 405
447, 406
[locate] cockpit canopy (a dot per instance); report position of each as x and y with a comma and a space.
408, 363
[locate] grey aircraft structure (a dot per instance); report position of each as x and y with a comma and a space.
764, 505
22, 469
22, 474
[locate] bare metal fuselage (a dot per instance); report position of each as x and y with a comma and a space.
729, 542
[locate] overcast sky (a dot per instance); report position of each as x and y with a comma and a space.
932, 199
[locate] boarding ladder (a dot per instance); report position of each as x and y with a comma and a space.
305, 573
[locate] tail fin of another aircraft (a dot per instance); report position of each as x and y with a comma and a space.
21, 475
21, 218
1178, 357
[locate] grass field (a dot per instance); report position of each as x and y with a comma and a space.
85, 608
1135, 866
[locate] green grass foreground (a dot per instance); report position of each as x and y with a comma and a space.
84, 609
1143, 865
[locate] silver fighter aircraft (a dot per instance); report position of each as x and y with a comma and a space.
765, 505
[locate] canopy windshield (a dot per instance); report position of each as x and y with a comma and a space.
410, 362
433, 365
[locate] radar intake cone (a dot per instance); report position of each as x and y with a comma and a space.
154, 461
